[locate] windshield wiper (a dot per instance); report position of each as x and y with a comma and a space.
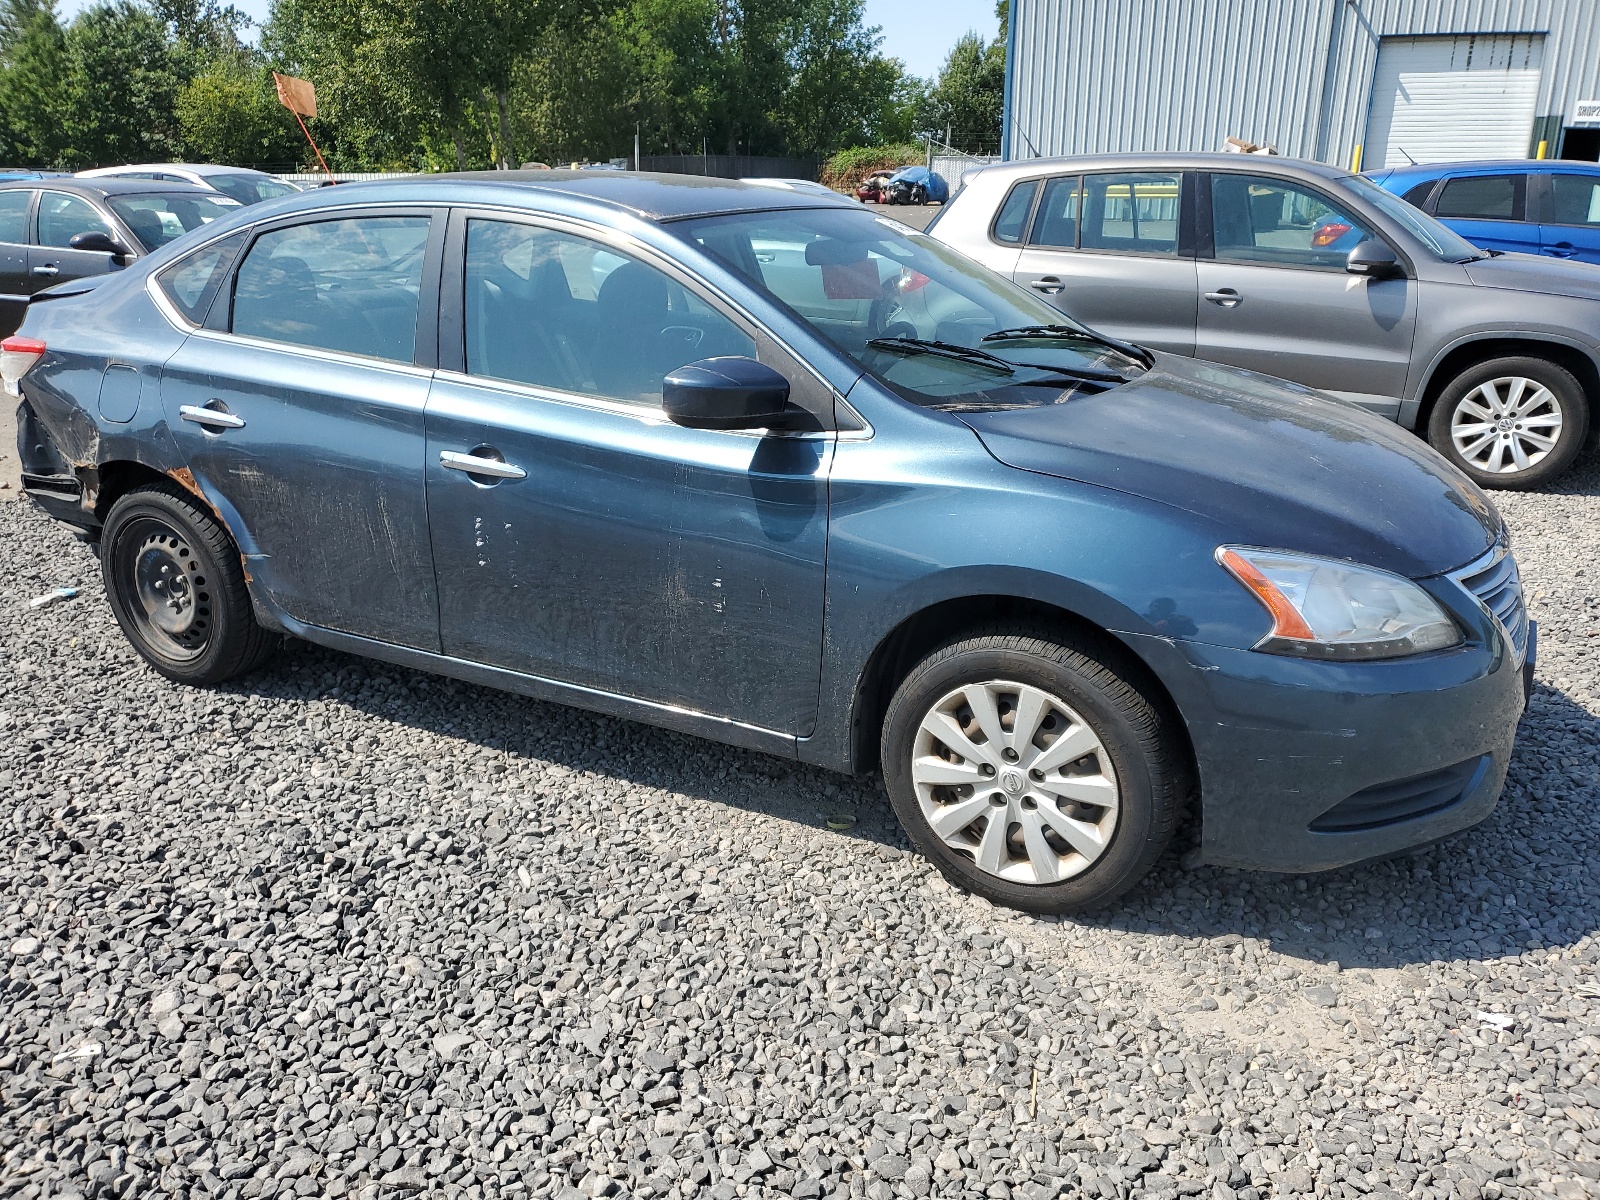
1127, 349
911, 345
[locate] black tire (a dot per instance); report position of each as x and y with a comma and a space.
1148, 772
159, 542
1450, 420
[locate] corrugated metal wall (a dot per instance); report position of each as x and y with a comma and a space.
1102, 76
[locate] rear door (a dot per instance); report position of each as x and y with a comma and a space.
16, 205
1490, 210
61, 217
1116, 251
1572, 217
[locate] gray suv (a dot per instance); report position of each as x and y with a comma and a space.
1312, 274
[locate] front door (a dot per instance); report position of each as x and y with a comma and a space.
580, 536
52, 259
1276, 297
300, 416
15, 205
1573, 208
1113, 252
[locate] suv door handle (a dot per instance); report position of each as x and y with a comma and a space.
1227, 297
46, 269
211, 418
1049, 285
478, 463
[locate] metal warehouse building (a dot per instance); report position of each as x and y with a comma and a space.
1391, 80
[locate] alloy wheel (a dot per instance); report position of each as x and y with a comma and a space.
1506, 425
1013, 778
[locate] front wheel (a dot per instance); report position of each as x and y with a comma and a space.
1511, 422
1030, 772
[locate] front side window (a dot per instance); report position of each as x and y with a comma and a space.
1576, 199
159, 217
553, 310
927, 322
1131, 213
63, 217
1481, 198
1259, 219
191, 283
1012, 220
14, 216
1057, 222
348, 285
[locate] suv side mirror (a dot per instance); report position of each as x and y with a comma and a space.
96, 239
726, 393
1374, 258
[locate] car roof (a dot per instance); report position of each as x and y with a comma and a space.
1273, 163
1487, 166
191, 168
106, 186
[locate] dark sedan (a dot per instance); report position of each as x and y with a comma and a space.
57, 229
768, 468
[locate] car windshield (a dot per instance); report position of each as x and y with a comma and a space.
249, 189
932, 325
1444, 242
156, 218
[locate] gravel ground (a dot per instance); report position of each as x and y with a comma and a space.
346, 930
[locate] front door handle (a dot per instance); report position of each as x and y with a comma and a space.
1227, 297
211, 418
47, 269
478, 463
1049, 285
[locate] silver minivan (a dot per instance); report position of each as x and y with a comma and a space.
1312, 274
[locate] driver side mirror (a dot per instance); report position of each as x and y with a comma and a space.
98, 240
726, 393
1375, 259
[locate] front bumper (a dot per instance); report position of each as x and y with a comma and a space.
1308, 766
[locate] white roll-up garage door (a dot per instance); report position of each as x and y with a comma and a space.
1444, 99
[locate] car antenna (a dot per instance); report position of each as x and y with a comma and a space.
1409, 159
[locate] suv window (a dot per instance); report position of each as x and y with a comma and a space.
63, 217
1057, 221
14, 216
1575, 199
1256, 218
1481, 197
191, 283
552, 310
1137, 213
1011, 222
349, 285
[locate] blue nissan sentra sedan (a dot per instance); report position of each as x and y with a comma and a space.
766, 467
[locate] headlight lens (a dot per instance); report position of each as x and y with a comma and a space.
1324, 608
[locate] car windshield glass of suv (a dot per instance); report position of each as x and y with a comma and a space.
249, 189
1446, 243
932, 325
158, 217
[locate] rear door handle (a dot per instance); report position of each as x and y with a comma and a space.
480, 464
211, 418
1049, 285
46, 269
1561, 250
1227, 297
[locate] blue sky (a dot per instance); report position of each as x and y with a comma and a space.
918, 32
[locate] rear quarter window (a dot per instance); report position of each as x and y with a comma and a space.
1011, 223
192, 282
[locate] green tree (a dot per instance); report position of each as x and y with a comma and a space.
967, 97
33, 70
229, 113
122, 84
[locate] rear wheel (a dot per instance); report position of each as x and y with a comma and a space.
1511, 422
1030, 772
176, 586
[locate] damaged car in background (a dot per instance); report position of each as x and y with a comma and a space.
768, 468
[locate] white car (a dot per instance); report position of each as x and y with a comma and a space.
243, 184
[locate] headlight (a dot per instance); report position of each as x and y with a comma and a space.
1324, 608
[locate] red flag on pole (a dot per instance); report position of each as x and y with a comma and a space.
300, 96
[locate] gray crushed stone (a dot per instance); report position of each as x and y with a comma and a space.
345, 930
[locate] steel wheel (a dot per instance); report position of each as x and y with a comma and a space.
1012, 777
1506, 425
162, 583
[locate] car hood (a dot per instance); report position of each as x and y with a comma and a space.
1536, 273
1271, 463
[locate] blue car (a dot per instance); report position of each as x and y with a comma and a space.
765, 467
1528, 206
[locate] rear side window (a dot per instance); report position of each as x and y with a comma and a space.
191, 283
1057, 222
1130, 213
63, 217
1419, 194
1576, 199
1481, 197
14, 216
1012, 221
349, 285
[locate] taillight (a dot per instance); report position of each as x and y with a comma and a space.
17, 356
1329, 233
